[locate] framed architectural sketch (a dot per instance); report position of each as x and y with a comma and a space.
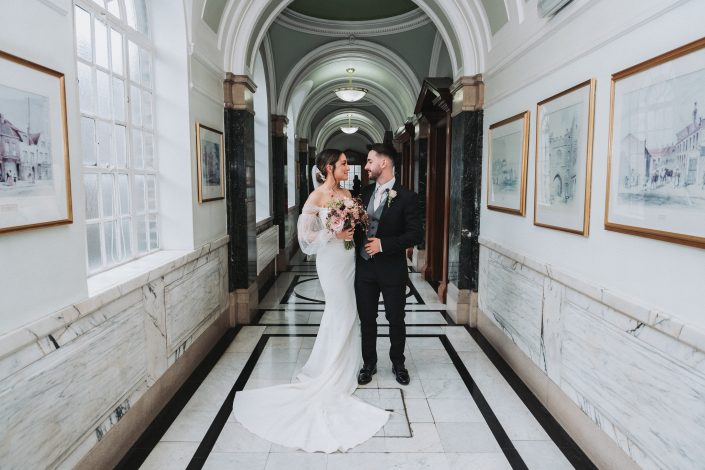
211, 162
656, 172
564, 130
508, 157
35, 183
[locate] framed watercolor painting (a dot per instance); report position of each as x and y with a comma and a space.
656, 171
35, 182
564, 132
211, 164
508, 157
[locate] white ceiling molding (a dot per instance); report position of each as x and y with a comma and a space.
364, 121
268, 57
393, 25
343, 50
245, 23
435, 55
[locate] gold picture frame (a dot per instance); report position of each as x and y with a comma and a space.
210, 153
656, 173
562, 190
35, 173
513, 172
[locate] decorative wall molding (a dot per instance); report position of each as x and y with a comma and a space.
435, 55
267, 247
393, 25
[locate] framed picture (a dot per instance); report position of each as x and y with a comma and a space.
211, 163
35, 181
564, 131
508, 160
656, 171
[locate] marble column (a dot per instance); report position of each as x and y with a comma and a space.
303, 172
421, 132
279, 184
311, 163
466, 183
240, 196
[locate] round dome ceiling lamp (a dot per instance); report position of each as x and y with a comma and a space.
350, 93
349, 129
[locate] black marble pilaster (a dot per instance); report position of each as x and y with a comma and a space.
465, 187
303, 178
279, 186
421, 172
240, 184
311, 164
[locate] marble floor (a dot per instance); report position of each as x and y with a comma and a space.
464, 408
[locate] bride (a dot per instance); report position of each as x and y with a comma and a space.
317, 412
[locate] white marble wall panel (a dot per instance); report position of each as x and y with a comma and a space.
267, 247
191, 301
628, 371
49, 406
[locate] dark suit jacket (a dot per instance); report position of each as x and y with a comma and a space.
399, 228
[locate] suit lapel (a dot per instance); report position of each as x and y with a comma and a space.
386, 204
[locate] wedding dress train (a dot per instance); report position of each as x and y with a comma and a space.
318, 413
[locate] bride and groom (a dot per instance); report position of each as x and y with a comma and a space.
318, 412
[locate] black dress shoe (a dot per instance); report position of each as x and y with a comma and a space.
366, 373
401, 374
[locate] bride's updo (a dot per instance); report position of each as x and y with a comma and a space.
323, 159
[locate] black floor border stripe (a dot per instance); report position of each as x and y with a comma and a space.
500, 435
414, 325
555, 431
148, 440
442, 311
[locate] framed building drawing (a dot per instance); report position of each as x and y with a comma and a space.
508, 157
564, 132
35, 182
211, 163
656, 171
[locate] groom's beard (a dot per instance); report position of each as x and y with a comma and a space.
373, 175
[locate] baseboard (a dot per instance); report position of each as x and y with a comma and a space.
118, 441
598, 446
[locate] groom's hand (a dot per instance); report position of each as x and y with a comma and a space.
374, 246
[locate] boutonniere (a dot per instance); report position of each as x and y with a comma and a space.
391, 194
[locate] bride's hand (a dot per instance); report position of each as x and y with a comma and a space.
345, 234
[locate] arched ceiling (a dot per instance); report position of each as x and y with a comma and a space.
358, 10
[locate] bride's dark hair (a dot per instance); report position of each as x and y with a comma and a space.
324, 158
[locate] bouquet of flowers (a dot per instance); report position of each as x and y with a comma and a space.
344, 214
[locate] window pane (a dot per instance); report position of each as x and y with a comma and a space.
113, 7
139, 194
101, 44
147, 109
151, 193
106, 157
85, 88
141, 14
137, 156
90, 182
130, 13
135, 106
107, 191
148, 151
112, 254
84, 43
121, 146
141, 234
127, 236
88, 141
124, 190
134, 59
116, 45
95, 260
119, 99
146, 68
153, 235
103, 81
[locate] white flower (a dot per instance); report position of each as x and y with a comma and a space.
349, 203
391, 194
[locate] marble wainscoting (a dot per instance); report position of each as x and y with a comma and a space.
68, 379
637, 373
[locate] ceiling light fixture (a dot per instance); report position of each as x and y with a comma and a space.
350, 93
349, 129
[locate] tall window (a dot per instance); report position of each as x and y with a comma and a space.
355, 170
114, 61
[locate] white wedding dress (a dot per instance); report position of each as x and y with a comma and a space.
317, 412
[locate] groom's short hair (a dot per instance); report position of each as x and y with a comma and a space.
385, 149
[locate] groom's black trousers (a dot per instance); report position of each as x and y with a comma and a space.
369, 282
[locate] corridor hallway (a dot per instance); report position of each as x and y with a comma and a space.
464, 407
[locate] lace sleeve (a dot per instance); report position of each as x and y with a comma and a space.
312, 233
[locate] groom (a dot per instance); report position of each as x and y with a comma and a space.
394, 226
